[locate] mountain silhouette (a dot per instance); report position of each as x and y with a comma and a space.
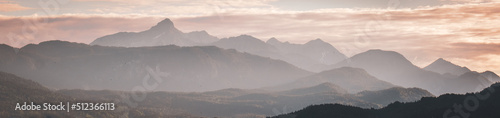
491, 76
390, 95
326, 87
247, 43
393, 67
164, 33
482, 104
66, 65
314, 55
352, 79
442, 66
229, 102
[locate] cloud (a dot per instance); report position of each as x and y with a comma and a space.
171, 8
7, 6
461, 33
19, 31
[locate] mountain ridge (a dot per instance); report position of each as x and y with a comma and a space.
57, 63
442, 66
426, 107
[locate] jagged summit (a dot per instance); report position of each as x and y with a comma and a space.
164, 24
163, 33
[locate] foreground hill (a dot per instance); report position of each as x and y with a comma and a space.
250, 103
228, 102
388, 96
483, 104
15, 90
66, 65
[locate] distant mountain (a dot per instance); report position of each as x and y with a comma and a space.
491, 76
164, 33
220, 104
15, 90
393, 67
201, 37
442, 66
467, 82
445, 67
229, 92
352, 79
66, 65
314, 55
249, 44
485, 106
246, 103
321, 88
400, 94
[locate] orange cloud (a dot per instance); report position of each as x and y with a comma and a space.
8, 7
461, 33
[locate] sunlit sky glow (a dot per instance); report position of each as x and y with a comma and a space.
465, 32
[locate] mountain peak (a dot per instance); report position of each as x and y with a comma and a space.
443, 66
273, 41
493, 77
201, 32
164, 24
316, 41
383, 54
246, 36
5, 46
441, 60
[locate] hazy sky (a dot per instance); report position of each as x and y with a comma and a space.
466, 32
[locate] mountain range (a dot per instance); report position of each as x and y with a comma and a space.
482, 104
313, 56
16, 90
229, 102
163, 33
394, 68
442, 66
354, 80
65, 65
198, 75
251, 103
318, 56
